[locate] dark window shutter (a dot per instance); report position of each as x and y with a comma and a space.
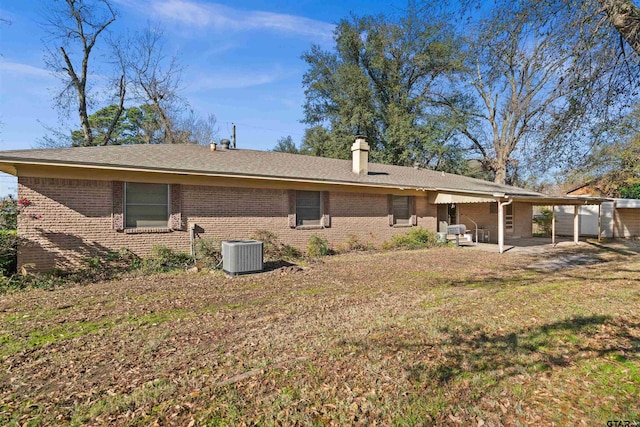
117, 201
390, 209
326, 216
292, 208
412, 210
175, 199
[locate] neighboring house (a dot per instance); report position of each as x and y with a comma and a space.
619, 218
90, 200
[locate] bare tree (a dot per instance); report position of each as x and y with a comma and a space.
155, 76
518, 87
75, 27
195, 129
120, 82
539, 89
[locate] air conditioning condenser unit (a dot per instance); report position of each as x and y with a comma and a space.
242, 256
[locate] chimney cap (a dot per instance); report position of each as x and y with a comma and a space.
360, 143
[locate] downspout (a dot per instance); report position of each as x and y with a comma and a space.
553, 225
576, 224
613, 228
599, 221
501, 206
192, 241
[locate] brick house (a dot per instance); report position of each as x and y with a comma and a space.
91, 200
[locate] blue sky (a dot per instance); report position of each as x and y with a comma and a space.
242, 63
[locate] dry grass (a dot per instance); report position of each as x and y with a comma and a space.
439, 336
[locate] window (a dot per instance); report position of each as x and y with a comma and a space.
508, 219
308, 208
401, 210
146, 205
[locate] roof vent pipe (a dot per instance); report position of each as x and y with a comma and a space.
360, 153
213, 146
224, 143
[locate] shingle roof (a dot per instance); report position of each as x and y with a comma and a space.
198, 159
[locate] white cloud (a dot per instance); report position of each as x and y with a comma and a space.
189, 13
234, 80
24, 70
223, 18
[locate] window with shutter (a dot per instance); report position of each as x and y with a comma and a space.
402, 210
308, 208
146, 205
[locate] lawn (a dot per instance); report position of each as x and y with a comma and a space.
441, 336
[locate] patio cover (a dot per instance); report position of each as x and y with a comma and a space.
448, 197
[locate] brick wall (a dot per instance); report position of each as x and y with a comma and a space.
522, 220
76, 219
481, 214
226, 213
76, 223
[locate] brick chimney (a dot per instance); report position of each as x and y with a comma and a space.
360, 153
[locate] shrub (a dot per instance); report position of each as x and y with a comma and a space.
318, 247
98, 268
208, 252
353, 244
270, 244
275, 250
42, 281
104, 268
124, 259
8, 252
164, 259
416, 238
289, 253
544, 220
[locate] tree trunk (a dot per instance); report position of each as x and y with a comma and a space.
500, 165
501, 174
168, 131
625, 17
116, 117
84, 118
69, 23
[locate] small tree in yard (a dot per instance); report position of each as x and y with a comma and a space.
8, 238
544, 220
318, 247
10, 210
9, 213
